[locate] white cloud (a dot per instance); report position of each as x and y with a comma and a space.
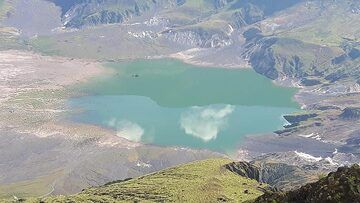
205, 122
127, 129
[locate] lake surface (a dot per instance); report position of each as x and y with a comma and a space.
166, 102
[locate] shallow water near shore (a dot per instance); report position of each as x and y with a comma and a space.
169, 103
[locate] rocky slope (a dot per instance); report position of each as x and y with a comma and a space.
205, 31
278, 175
351, 113
77, 14
341, 186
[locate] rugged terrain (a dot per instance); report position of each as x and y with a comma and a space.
340, 186
220, 180
310, 44
211, 180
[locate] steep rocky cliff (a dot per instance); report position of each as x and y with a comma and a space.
95, 12
342, 186
351, 113
78, 13
198, 37
278, 175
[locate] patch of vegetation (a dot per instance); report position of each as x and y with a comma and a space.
46, 45
39, 186
339, 21
99, 43
200, 4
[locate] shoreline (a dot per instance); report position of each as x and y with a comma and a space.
74, 80
175, 146
36, 115
188, 56
46, 83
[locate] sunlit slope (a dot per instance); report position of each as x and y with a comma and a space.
201, 181
183, 25
323, 46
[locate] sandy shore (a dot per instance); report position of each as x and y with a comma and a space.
33, 90
193, 56
22, 71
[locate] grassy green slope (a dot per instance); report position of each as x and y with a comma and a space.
309, 49
201, 181
330, 28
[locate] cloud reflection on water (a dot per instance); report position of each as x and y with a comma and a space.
205, 122
127, 129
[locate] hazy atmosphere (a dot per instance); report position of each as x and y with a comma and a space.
180, 101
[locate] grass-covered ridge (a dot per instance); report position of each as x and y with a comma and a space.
201, 181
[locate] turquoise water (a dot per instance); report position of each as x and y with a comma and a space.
166, 102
